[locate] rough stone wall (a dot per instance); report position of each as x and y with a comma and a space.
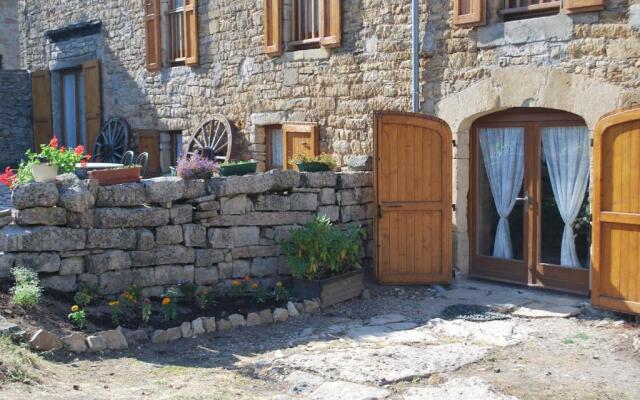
9, 34
336, 88
15, 115
163, 231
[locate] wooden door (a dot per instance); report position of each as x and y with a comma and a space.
42, 119
413, 195
616, 212
92, 101
299, 138
149, 142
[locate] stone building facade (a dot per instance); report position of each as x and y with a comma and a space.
9, 35
15, 115
585, 63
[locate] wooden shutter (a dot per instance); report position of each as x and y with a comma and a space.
41, 97
272, 27
299, 137
576, 6
469, 13
149, 142
330, 23
92, 101
152, 32
191, 31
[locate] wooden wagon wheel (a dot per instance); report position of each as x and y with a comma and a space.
112, 142
213, 139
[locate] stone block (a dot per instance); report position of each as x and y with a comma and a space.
285, 179
206, 276
209, 324
6, 263
35, 194
273, 202
311, 306
255, 251
356, 213
96, 343
208, 206
76, 342
113, 282
173, 274
114, 339
265, 266
198, 327
110, 260
280, 315
292, 310
240, 268
77, 198
143, 277
85, 220
237, 320
169, 234
38, 262
361, 195
145, 239
41, 238
181, 214
195, 235
194, 188
121, 195
5, 220
208, 257
556, 27
41, 216
234, 237
112, 239
204, 215
348, 180
167, 254
186, 330
43, 340
281, 233
263, 219
60, 283
235, 205
331, 212
223, 324
235, 185
319, 179
225, 270
135, 337
131, 217
304, 201
266, 316
164, 336
360, 162
328, 196
164, 189
253, 319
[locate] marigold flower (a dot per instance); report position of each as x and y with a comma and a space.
78, 150
235, 282
247, 278
54, 142
114, 303
166, 301
254, 286
75, 308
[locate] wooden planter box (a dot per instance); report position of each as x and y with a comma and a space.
106, 177
331, 290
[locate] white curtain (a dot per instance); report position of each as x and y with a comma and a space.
503, 154
566, 150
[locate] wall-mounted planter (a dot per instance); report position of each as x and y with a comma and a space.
106, 177
44, 172
332, 290
312, 167
239, 169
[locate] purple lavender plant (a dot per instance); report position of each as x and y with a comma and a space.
197, 167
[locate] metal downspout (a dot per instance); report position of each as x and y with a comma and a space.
415, 54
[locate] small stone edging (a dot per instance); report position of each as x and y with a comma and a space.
120, 339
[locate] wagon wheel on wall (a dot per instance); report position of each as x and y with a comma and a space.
112, 141
212, 139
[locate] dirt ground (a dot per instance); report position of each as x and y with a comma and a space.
393, 345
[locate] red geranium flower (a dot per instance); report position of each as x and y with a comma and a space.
8, 178
63, 149
54, 142
78, 150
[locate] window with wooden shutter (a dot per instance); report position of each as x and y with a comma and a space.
519, 9
331, 23
469, 13
576, 6
274, 146
42, 119
92, 101
272, 27
149, 142
152, 32
191, 31
299, 138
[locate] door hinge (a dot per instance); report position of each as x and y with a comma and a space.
454, 143
453, 207
591, 142
379, 211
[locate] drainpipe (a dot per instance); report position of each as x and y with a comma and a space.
415, 60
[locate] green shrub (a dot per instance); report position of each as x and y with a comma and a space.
86, 294
27, 291
320, 250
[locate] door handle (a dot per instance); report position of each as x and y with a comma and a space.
526, 199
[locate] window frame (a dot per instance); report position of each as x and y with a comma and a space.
176, 35
268, 130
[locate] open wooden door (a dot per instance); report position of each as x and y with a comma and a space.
413, 195
616, 212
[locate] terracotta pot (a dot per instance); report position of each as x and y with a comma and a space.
44, 172
106, 177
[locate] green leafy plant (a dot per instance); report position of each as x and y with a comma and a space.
116, 311
146, 309
27, 291
320, 250
188, 290
87, 293
236, 290
259, 294
78, 317
169, 305
281, 293
240, 162
203, 298
323, 158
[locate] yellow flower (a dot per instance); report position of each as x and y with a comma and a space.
114, 303
235, 282
254, 286
279, 284
247, 278
75, 308
166, 301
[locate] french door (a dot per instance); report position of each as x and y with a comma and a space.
529, 210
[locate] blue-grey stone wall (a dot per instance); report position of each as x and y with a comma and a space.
15, 116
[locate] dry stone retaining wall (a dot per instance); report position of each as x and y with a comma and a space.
163, 231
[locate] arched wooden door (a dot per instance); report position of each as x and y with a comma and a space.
413, 195
616, 212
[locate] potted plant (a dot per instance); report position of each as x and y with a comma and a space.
305, 163
196, 167
325, 261
232, 168
114, 176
